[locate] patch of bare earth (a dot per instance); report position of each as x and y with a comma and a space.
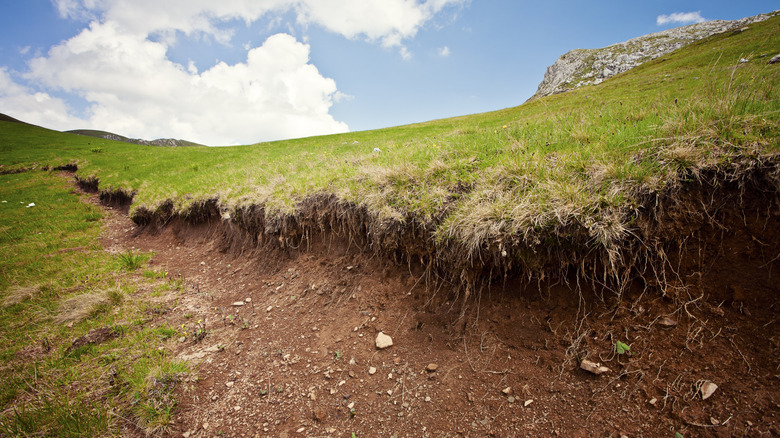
290, 350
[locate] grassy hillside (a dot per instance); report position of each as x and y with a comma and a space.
531, 186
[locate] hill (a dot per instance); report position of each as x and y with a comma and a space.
594, 262
169, 142
580, 67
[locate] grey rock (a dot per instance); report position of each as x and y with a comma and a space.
775, 59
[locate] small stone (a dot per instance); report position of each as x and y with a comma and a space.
653, 401
371, 370
510, 399
205, 426
351, 405
182, 339
593, 367
775, 59
383, 341
427, 399
300, 430
527, 402
186, 434
229, 384
707, 389
743, 60
269, 308
352, 361
238, 303
667, 322
432, 367
714, 421
507, 390
248, 300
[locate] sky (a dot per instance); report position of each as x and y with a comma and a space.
245, 71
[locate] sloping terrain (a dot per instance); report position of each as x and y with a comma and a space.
631, 225
580, 67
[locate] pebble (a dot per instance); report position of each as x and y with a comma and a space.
707, 389
432, 367
507, 390
371, 370
229, 384
775, 59
653, 401
205, 426
248, 300
238, 303
510, 399
269, 308
667, 322
528, 402
427, 399
593, 367
383, 341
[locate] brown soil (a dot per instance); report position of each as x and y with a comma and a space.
294, 359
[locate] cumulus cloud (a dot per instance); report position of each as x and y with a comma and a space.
444, 51
120, 66
135, 90
33, 106
680, 18
388, 22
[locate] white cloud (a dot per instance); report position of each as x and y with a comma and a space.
680, 18
34, 107
388, 22
444, 51
119, 64
135, 90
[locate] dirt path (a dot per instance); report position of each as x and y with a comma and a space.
289, 347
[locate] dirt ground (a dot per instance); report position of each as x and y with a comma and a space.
289, 347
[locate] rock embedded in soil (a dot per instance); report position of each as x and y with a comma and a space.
527, 402
667, 322
383, 341
432, 367
238, 303
775, 59
593, 367
371, 370
507, 390
707, 389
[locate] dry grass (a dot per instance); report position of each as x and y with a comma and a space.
18, 294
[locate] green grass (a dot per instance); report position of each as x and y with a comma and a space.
56, 284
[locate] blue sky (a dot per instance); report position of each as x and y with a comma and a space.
244, 71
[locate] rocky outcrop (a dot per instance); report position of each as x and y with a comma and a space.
581, 67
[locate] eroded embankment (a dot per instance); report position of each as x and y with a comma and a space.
649, 240
297, 356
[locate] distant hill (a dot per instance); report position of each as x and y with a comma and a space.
168, 142
580, 67
5, 118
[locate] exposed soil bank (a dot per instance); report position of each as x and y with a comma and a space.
295, 360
